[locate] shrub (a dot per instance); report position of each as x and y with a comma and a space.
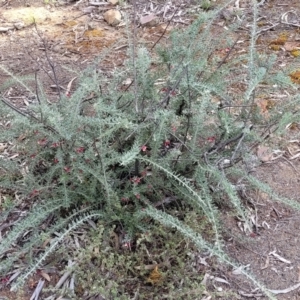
170, 129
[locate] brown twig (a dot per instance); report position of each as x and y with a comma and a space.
28, 115
168, 24
228, 53
49, 60
133, 56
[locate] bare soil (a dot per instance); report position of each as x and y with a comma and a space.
72, 40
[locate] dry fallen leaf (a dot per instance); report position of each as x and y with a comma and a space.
69, 86
293, 126
281, 40
295, 52
266, 104
45, 275
295, 76
155, 276
290, 46
287, 290
221, 280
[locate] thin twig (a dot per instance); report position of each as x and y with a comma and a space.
237, 147
48, 59
28, 115
221, 145
291, 24
190, 106
168, 24
13, 107
267, 28
37, 95
228, 53
133, 56
188, 115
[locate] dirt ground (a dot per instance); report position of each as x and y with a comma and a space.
73, 36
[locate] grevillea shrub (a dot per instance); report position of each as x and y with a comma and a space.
166, 130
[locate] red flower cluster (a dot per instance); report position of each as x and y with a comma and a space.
211, 139
136, 179
67, 169
144, 148
55, 145
167, 143
34, 193
80, 150
42, 142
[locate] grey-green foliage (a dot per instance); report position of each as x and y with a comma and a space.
174, 133
73, 224
172, 222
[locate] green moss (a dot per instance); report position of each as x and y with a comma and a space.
120, 273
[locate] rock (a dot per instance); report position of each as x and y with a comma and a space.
149, 20
112, 17
113, 2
